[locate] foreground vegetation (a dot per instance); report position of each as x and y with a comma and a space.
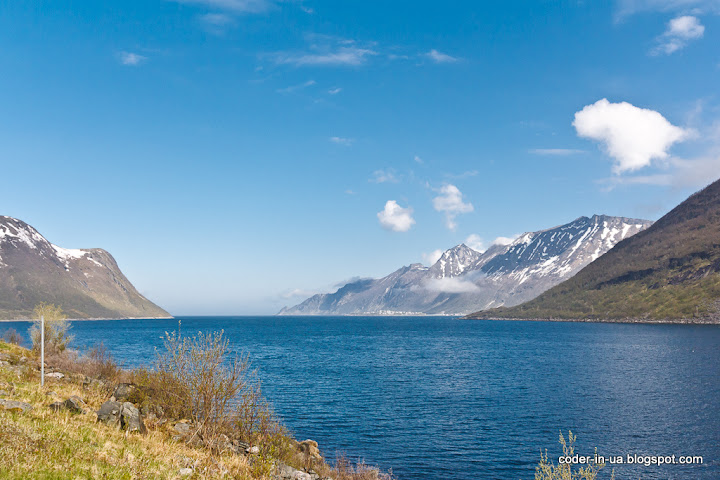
203, 417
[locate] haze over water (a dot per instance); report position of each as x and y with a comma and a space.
443, 398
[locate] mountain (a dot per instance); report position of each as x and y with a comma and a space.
464, 280
669, 272
85, 283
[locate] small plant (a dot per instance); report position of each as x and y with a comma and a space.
57, 326
12, 336
547, 470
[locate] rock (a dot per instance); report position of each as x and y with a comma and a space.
310, 449
57, 375
182, 427
3, 393
123, 391
130, 418
109, 412
75, 404
184, 472
51, 394
254, 450
286, 472
14, 406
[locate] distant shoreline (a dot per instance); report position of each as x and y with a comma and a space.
678, 321
89, 319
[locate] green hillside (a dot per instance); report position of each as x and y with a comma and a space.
669, 272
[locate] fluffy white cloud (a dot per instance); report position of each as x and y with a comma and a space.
298, 292
439, 57
432, 257
335, 91
131, 59
475, 242
450, 202
632, 136
451, 285
394, 217
505, 240
680, 31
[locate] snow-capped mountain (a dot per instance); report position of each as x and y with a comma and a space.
86, 283
464, 280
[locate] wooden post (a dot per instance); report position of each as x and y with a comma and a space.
42, 350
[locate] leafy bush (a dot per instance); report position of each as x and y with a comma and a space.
57, 326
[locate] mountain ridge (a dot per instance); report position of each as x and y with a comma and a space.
670, 272
86, 283
463, 278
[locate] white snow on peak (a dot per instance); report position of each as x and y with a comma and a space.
68, 253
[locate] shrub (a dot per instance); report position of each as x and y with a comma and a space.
195, 378
56, 328
547, 470
12, 336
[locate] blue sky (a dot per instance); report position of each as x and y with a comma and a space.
234, 155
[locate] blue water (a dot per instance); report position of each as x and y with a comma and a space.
444, 398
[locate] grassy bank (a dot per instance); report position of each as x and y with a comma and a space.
41, 443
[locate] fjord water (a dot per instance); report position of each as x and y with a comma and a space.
445, 398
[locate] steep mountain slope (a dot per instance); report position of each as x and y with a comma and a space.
464, 280
85, 283
669, 272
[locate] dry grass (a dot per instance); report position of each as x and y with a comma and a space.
44, 444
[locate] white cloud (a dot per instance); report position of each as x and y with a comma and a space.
505, 240
439, 57
555, 151
295, 88
432, 257
394, 217
630, 7
451, 285
298, 292
475, 242
338, 56
384, 176
450, 202
418, 160
335, 91
680, 31
342, 141
684, 173
131, 59
239, 6
632, 136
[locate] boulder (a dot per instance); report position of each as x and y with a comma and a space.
57, 375
309, 448
184, 472
109, 412
14, 406
286, 472
121, 415
74, 404
130, 418
123, 392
